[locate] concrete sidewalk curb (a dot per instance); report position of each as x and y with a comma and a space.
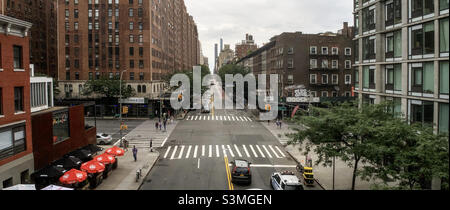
148, 172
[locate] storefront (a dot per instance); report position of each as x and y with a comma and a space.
137, 107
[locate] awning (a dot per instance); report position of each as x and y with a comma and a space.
22, 187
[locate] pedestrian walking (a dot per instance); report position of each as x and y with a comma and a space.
151, 145
135, 151
280, 124
160, 126
165, 124
156, 125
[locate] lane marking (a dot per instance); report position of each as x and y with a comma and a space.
224, 151
188, 152
259, 149
251, 147
237, 149
181, 152
217, 151
230, 150
203, 150
173, 153
276, 154
198, 166
167, 152
164, 142
210, 150
268, 153
279, 150
228, 172
195, 151
246, 152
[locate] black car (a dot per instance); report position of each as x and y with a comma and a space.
241, 172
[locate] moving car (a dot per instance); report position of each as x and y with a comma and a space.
285, 181
104, 139
241, 172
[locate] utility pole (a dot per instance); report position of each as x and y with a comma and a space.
120, 101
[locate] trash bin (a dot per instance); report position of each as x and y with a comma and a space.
95, 180
115, 164
107, 171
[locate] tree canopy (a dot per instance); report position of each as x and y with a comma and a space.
390, 148
109, 88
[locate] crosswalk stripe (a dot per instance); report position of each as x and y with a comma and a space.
246, 152
250, 119
210, 150
196, 117
251, 147
276, 154
230, 150
268, 153
220, 117
217, 151
195, 151
259, 149
245, 119
208, 117
224, 151
242, 119
237, 149
173, 153
229, 118
232, 117
167, 152
204, 117
203, 150
181, 152
279, 150
188, 152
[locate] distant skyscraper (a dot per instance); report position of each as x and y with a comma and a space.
216, 55
221, 44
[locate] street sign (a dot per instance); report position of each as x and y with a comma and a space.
125, 110
302, 100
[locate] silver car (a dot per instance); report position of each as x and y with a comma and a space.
104, 139
285, 181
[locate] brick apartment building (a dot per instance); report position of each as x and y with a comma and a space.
318, 63
42, 35
101, 38
16, 150
245, 47
402, 49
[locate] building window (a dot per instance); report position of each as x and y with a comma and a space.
18, 99
393, 12
443, 6
348, 64
348, 79
334, 79
324, 78
324, 64
324, 93
18, 57
368, 19
25, 177
324, 50
61, 126
420, 8
131, 76
334, 64
443, 118
313, 50
394, 78
313, 63
356, 78
421, 112
356, 51
394, 45
443, 36
422, 79
290, 63
290, 79
12, 141
421, 43
369, 49
443, 78
141, 76
313, 78
369, 77
348, 51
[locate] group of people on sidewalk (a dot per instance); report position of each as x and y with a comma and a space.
278, 123
162, 123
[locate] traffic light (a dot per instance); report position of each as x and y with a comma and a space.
125, 110
268, 107
180, 97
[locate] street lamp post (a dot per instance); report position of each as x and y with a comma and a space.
120, 101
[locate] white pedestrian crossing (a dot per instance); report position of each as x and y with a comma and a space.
178, 152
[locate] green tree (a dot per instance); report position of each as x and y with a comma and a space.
109, 88
411, 155
232, 69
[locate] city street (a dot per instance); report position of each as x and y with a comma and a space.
112, 127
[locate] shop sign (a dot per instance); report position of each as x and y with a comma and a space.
302, 100
133, 101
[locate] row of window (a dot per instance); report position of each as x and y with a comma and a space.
421, 42
325, 64
334, 79
12, 141
421, 80
334, 51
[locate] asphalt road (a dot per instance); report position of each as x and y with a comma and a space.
193, 157
112, 127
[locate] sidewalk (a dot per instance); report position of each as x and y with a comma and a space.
323, 175
124, 177
140, 136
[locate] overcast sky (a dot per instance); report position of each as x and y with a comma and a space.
232, 19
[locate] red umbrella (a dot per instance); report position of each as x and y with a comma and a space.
115, 151
73, 176
93, 167
105, 158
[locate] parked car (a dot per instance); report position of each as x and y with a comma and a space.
104, 139
285, 181
241, 172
